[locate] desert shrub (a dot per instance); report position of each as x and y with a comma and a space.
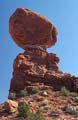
65, 91
76, 89
39, 116
24, 110
23, 92
12, 95
36, 116
35, 90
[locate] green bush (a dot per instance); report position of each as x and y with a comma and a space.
24, 110
65, 91
12, 95
76, 89
23, 92
36, 116
35, 90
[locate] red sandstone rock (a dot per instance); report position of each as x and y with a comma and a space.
11, 106
30, 67
34, 67
32, 31
30, 28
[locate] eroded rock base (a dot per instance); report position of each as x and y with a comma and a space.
38, 66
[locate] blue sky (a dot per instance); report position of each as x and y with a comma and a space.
63, 14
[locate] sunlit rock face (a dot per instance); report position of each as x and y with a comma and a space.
30, 28
35, 33
33, 67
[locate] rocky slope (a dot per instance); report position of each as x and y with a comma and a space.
54, 105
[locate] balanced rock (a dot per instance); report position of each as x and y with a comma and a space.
35, 33
30, 28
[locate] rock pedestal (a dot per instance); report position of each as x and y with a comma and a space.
35, 33
32, 67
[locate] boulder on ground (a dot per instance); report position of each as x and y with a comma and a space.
11, 106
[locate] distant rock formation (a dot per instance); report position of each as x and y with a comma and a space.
34, 33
